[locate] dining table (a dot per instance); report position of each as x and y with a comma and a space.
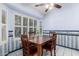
39, 41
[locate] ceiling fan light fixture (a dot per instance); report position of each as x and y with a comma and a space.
51, 4
46, 6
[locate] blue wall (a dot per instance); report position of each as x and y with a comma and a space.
66, 18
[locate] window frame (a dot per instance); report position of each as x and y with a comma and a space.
22, 26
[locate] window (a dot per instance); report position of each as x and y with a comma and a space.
24, 25
17, 26
24, 30
40, 27
25, 21
40, 30
35, 23
35, 30
30, 22
17, 31
30, 29
17, 20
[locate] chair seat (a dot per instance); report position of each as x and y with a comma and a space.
32, 44
28, 47
51, 45
32, 49
48, 45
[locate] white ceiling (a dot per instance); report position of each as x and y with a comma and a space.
40, 9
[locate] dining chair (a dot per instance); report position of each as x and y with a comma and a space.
28, 48
51, 45
32, 34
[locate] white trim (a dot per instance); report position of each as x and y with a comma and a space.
1, 25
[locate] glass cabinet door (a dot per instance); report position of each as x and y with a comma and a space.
3, 17
4, 33
25, 21
4, 26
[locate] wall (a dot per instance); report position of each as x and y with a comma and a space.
66, 18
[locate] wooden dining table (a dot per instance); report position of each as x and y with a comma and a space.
39, 41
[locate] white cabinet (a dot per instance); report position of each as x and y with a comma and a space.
3, 31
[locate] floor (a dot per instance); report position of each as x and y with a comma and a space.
60, 51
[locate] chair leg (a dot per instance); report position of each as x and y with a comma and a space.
23, 53
54, 52
42, 53
46, 50
51, 52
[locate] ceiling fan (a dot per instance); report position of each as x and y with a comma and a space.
49, 6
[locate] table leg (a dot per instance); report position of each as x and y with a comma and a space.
54, 51
39, 49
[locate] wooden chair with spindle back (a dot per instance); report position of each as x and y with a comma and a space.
32, 34
24, 40
51, 45
28, 49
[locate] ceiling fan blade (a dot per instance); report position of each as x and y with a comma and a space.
46, 10
39, 5
57, 6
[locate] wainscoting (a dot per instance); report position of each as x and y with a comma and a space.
66, 38
10, 46
0, 50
